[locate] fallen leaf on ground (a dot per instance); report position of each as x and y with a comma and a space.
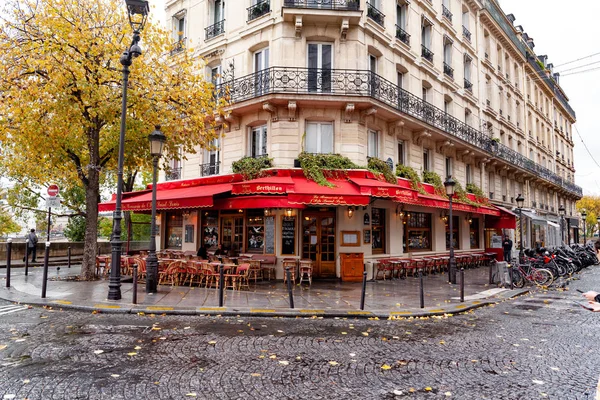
537, 382
115, 375
448, 394
428, 389
98, 351
132, 353
365, 333
26, 381
283, 362
255, 375
273, 356
137, 348
385, 367
2, 347
334, 363
193, 394
212, 342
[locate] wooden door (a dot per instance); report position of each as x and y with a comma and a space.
318, 242
232, 232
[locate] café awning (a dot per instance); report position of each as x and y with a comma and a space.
342, 193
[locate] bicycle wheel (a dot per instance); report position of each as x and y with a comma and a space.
518, 280
542, 276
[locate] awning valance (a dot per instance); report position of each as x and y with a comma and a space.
266, 185
536, 219
247, 202
343, 193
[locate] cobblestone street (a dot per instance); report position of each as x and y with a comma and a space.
534, 346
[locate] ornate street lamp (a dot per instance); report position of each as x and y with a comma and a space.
598, 225
520, 201
583, 217
561, 212
138, 14
449, 184
157, 140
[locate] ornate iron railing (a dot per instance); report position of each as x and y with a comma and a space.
261, 155
448, 70
468, 85
347, 5
173, 174
343, 82
375, 14
402, 35
210, 169
466, 33
446, 12
178, 46
259, 9
426, 53
214, 30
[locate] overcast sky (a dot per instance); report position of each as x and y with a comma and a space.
565, 32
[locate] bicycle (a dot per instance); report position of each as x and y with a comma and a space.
529, 273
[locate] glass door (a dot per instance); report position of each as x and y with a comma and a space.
318, 243
232, 232
320, 62
261, 71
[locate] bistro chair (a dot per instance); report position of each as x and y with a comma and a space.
291, 264
305, 273
383, 267
255, 270
243, 276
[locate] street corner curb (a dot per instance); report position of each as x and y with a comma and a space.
511, 294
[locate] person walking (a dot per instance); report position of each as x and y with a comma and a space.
31, 245
507, 247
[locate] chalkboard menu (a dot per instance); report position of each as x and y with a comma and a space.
288, 235
269, 235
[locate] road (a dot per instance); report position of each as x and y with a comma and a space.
535, 346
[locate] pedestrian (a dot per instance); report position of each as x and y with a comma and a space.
507, 247
31, 245
202, 252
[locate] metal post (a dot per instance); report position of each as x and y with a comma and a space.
521, 251
48, 228
584, 232
135, 282
69, 257
510, 276
562, 229
568, 231
8, 257
45, 274
26, 257
462, 285
421, 292
152, 261
452, 261
288, 275
221, 284
491, 273
364, 289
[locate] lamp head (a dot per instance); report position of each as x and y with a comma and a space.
561, 210
138, 13
520, 200
157, 141
449, 184
350, 212
583, 214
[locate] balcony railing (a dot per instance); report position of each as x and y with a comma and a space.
402, 35
468, 85
448, 70
426, 53
466, 33
446, 13
178, 46
215, 30
344, 82
210, 169
173, 174
259, 9
375, 14
348, 5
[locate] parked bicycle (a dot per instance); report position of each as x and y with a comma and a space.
522, 273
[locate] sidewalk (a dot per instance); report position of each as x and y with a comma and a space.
384, 299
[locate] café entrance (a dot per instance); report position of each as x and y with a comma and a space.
318, 242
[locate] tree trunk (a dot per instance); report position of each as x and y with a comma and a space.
92, 190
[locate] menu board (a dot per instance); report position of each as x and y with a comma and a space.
288, 235
269, 235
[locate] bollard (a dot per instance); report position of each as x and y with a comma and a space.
288, 274
26, 257
364, 289
8, 256
69, 258
135, 267
421, 292
510, 276
45, 275
492, 273
221, 284
462, 285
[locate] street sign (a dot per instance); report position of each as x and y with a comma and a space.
52, 190
53, 202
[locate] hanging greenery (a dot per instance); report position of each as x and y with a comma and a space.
461, 195
434, 179
406, 172
476, 190
379, 166
250, 167
318, 167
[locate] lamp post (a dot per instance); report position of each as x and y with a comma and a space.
157, 140
449, 184
520, 201
561, 212
583, 217
598, 225
138, 13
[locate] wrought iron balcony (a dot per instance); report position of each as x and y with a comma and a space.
375, 14
173, 174
466, 33
178, 46
402, 35
210, 169
448, 70
259, 9
344, 82
261, 155
468, 86
214, 30
446, 13
426, 53
348, 5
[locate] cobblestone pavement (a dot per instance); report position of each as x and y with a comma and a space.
531, 347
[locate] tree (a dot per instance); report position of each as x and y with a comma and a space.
60, 98
592, 206
75, 230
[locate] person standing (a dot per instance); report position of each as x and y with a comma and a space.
507, 248
31, 245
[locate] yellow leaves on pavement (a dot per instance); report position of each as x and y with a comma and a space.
334, 363
385, 367
98, 351
133, 353
3, 346
212, 342
137, 348
192, 394
255, 375
283, 362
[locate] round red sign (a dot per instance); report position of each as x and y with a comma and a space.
53, 190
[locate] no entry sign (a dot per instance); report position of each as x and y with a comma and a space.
52, 190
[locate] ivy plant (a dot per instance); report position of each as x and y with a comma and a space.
406, 172
476, 190
461, 195
250, 167
434, 179
379, 166
318, 167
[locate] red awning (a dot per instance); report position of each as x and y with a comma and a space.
246, 202
505, 220
185, 197
343, 193
266, 185
376, 188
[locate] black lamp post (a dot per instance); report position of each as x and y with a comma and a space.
157, 140
449, 184
598, 225
138, 13
583, 217
561, 212
520, 201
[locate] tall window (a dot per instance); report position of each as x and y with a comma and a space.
211, 159
401, 13
174, 230
426, 28
255, 231
400, 79
210, 229
179, 26
260, 65
474, 233
218, 11
401, 156
373, 145
426, 160
448, 166
447, 51
258, 141
378, 230
425, 93
469, 174
417, 232
448, 105
320, 63
319, 137
467, 72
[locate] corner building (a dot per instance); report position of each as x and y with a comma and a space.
450, 86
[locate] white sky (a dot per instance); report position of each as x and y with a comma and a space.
565, 32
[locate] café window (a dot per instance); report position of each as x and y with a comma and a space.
174, 230
455, 231
474, 233
378, 230
417, 232
255, 231
210, 229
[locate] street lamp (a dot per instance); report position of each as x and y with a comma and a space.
449, 184
583, 217
561, 212
598, 225
520, 201
138, 13
157, 140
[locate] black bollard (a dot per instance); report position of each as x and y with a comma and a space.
26, 257
45, 275
289, 286
8, 256
364, 289
491, 273
462, 285
221, 284
69, 257
135, 267
421, 292
510, 276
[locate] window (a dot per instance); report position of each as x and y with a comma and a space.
400, 79
179, 26
378, 230
401, 14
401, 156
467, 72
425, 93
469, 174
448, 105
448, 166
417, 232
426, 160
218, 11
373, 145
255, 231
447, 51
455, 231
174, 230
258, 141
210, 229
211, 159
261, 65
474, 233
320, 63
215, 75
426, 28
319, 137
